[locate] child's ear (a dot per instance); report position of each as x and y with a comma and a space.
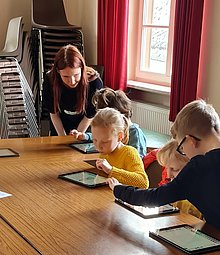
194, 142
120, 136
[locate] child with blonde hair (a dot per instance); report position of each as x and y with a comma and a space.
118, 100
110, 131
174, 162
197, 131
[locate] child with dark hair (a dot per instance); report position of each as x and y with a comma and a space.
118, 100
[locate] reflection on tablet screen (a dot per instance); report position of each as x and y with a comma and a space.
148, 212
187, 238
151, 210
86, 178
85, 147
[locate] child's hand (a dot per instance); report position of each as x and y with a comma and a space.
102, 164
78, 135
112, 182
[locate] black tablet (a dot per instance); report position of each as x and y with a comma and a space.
91, 162
148, 212
84, 147
85, 178
7, 152
187, 239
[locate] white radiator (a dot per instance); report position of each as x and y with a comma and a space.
151, 117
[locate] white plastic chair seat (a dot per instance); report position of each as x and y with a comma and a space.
13, 41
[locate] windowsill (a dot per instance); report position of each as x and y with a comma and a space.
148, 87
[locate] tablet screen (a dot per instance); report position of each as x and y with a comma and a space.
85, 178
6, 152
188, 239
85, 147
148, 212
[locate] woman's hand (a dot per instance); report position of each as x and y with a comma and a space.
112, 182
78, 135
102, 164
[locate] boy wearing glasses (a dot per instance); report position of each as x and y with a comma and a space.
197, 131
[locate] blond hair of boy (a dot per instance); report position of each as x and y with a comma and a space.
199, 123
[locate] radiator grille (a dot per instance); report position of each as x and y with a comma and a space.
151, 117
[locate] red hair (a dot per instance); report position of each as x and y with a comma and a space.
69, 56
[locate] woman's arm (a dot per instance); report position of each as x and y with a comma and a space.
55, 118
84, 124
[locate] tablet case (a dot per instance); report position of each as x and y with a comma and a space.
147, 212
7, 152
91, 162
187, 239
101, 180
84, 147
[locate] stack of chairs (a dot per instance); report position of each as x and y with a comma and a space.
17, 110
50, 31
27, 66
17, 106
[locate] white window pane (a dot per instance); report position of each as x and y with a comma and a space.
154, 50
156, 12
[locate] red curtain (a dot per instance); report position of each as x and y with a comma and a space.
187, 35
112, 41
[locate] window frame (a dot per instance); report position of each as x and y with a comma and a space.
146, 76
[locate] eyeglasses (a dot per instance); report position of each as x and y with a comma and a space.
180, 146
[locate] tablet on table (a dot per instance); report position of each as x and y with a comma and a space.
7, 152
187, 239
84, 147
91, 162
148, 212
85, 178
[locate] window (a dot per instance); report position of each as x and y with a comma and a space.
152, 52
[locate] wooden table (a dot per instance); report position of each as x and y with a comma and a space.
12, 243
59, 217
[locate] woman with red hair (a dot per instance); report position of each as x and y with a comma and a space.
68, 89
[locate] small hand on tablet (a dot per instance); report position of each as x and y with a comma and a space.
112, 182
78, 135
102, 164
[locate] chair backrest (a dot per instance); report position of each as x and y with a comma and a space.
47, 13
13, 41
154, 173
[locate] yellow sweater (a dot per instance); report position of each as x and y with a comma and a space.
127, 166
186, 207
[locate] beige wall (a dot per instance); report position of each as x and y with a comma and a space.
79, 12
84, 13
209, 73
